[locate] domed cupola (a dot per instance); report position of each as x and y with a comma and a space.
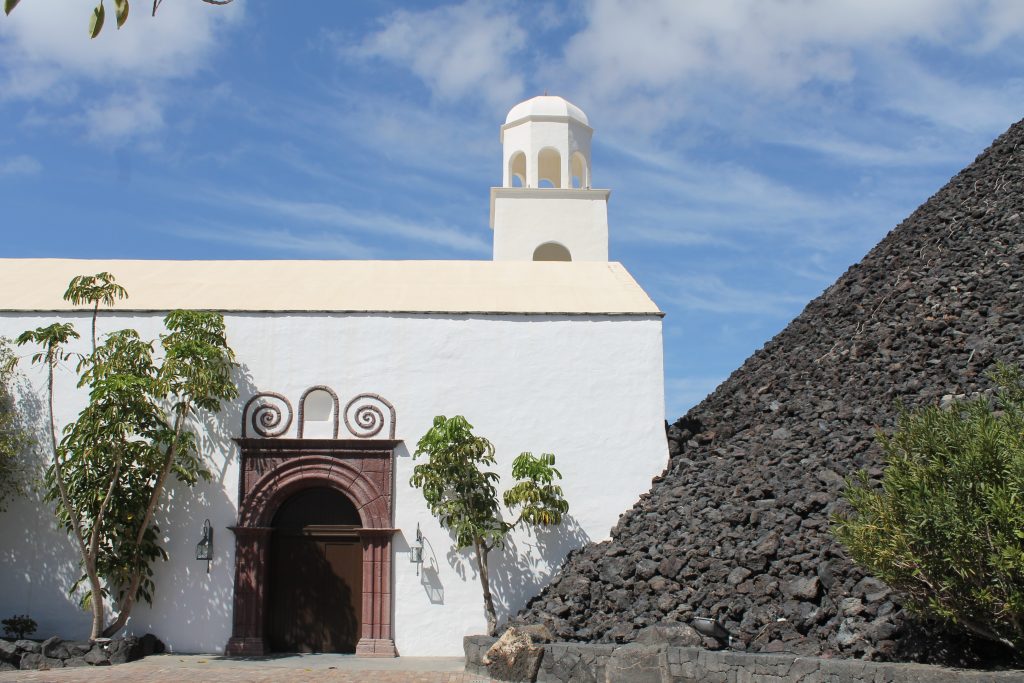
546, 209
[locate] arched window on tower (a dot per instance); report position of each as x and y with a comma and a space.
517, 170
549, 168
579, 170
551, 251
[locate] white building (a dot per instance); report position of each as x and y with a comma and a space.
343, 365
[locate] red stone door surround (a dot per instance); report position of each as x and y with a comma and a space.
274, 469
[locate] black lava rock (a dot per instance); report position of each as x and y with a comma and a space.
737, 527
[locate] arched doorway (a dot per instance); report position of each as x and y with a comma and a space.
316, 571
274, 472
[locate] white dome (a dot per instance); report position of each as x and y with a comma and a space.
546, 105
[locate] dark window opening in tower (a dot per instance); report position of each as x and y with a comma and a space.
551, 251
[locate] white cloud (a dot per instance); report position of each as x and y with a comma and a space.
666, 61
775, 45
20, 165
171, 44
459, 51
112, 85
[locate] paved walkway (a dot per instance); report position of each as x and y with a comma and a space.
172, 668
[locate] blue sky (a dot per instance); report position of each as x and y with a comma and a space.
754, 150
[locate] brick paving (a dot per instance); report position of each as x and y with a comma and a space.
172, 668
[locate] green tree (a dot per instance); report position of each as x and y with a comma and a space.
109, 471
946, 525
12, 434
99, 12
463, 496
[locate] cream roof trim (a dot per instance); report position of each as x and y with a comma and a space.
338, 286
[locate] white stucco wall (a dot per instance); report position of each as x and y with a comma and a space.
523, 219
587, 388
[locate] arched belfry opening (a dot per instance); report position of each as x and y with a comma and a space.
546, 196
326, 501
517, 170
549, 168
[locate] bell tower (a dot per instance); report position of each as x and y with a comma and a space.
545, 209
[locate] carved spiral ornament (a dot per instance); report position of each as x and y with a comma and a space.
367, 414
268, 413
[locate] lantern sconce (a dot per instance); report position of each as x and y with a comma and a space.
416, 551
204, 549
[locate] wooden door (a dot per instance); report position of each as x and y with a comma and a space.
316, 591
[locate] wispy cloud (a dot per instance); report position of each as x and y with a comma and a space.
919, 92
710, 292
726, 204
457, 50
836, 147
22, 164
367, 224
124, 116
273, 240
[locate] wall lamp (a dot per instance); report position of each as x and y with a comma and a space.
204, 549
416, 551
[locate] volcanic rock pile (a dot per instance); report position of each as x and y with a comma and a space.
56, 653
737, 527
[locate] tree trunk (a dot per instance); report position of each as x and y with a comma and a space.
95, 586
485, 582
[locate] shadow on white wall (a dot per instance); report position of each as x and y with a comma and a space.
192, 609
524, 566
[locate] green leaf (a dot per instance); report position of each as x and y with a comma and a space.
96, 20
10, 5
121, 9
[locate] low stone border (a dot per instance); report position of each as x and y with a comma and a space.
634, 663
55, 653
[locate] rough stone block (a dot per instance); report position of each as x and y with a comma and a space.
96, 656
54, 648
36, 661
123, 650
635, 663
669, 633
513, 658
475, 647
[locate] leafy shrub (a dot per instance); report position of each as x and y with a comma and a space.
19, 626
464, 497
946, 526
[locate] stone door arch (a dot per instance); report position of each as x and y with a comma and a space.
272, 471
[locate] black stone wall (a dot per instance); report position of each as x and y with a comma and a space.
635, 663
737, 526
